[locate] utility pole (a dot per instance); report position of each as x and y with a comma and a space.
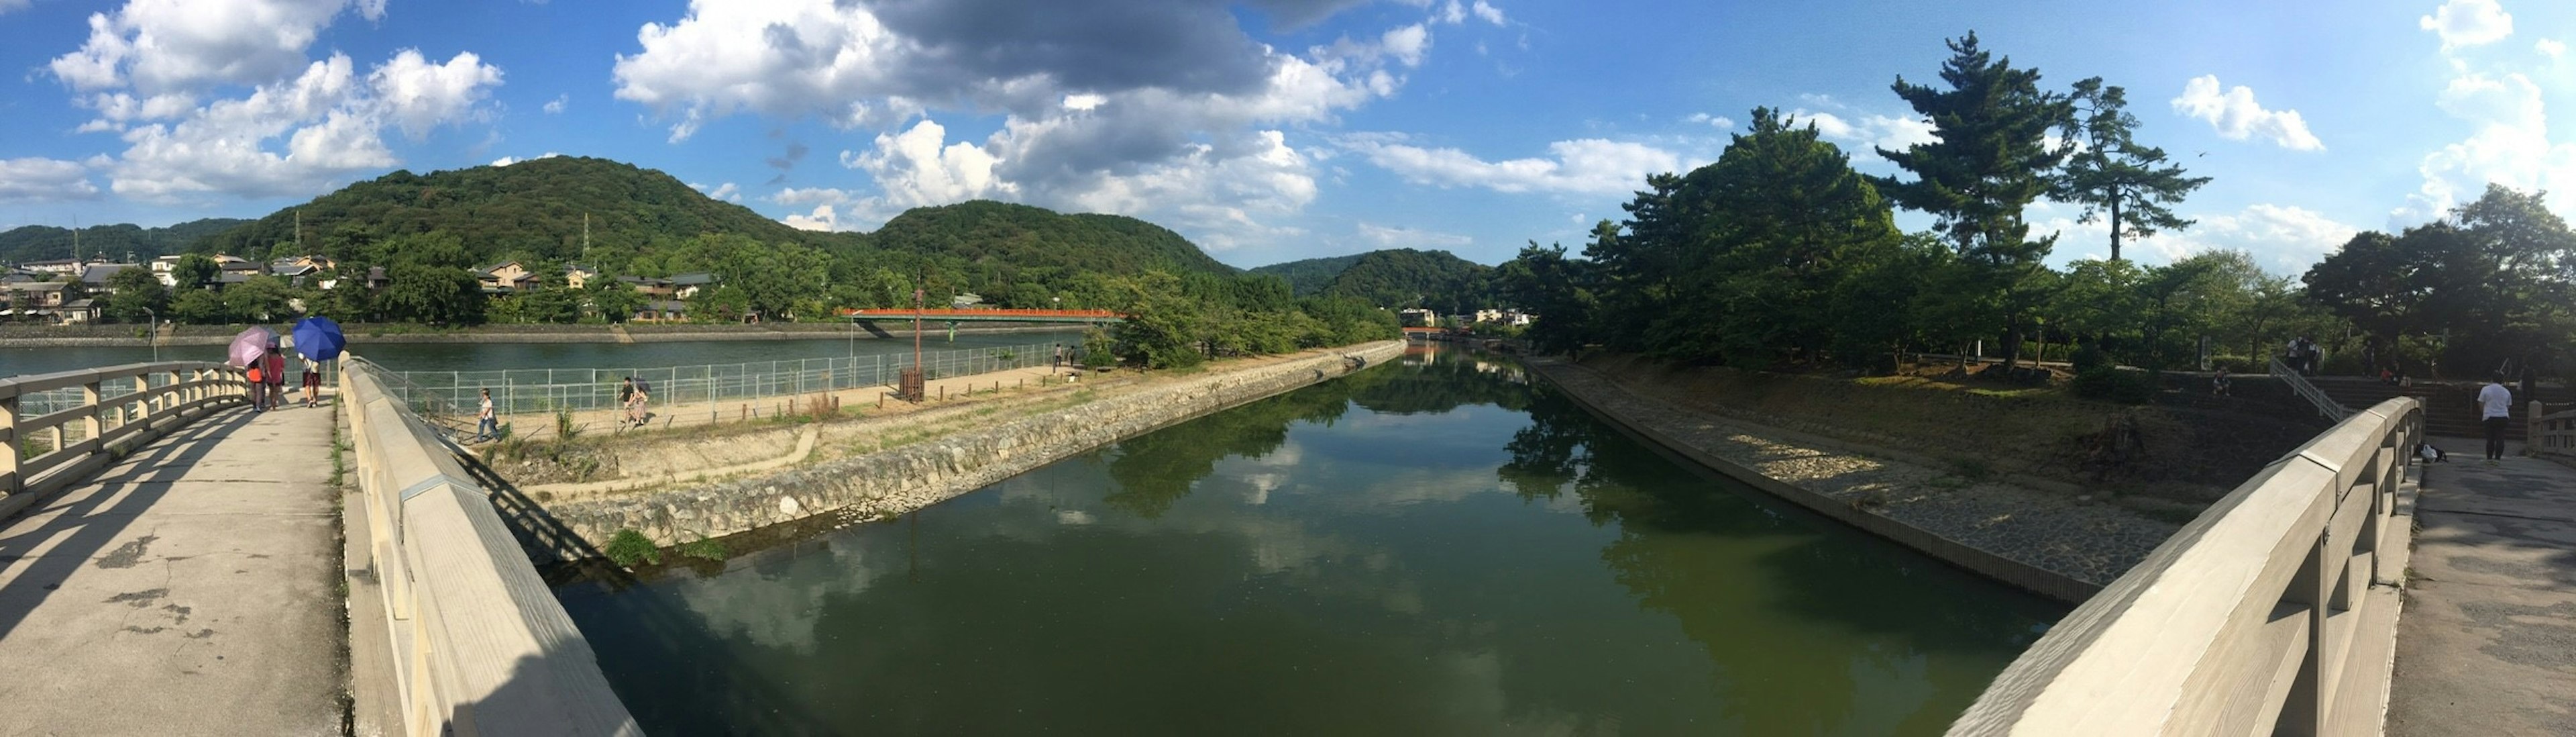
75, 243
585, 239
299, 231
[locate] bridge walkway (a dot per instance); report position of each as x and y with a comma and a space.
188, 589
2487, 645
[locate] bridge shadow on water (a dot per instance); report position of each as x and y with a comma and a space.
98, 511
754, 704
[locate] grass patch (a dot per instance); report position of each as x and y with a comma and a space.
1972, 469
628, 548
704, 548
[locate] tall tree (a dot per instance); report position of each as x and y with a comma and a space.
2112, 175
137, 296
1989, 158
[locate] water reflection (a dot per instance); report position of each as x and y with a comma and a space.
1431, 548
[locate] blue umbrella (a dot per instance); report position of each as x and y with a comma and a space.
318, 338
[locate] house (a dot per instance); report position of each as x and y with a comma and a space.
685, 286
650, 287
375, 280
506, 277
662, 310
967, 301
165, 268
1416, 317
63, 266
578, 276
294, 271
94, 277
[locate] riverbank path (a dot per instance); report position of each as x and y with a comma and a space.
2487, 645
666, 415
188, 589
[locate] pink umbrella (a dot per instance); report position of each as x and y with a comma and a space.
247, 347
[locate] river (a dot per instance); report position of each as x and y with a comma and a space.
489, 356
1425, 548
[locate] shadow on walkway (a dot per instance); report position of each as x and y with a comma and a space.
97, 512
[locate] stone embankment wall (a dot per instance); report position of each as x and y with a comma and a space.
911, 477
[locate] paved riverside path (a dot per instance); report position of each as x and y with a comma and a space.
2487, 644
188, 589
686, 414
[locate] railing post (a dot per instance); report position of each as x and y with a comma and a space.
96, 422
10, 483
2534, 430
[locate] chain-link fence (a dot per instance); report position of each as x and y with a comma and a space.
521, 391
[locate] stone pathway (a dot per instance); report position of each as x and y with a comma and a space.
2487, 645
2090, 541
187, 590
666, 415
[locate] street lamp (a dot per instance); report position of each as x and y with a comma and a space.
154, 338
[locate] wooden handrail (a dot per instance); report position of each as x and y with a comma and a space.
479, 643
83, 437
2271, 613
2551, 433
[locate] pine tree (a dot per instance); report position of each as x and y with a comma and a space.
2112, 175
1989, 158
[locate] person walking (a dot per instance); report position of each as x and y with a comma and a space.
273, 368
255, 385
487, 425
636, 408
2495, 408
312, 382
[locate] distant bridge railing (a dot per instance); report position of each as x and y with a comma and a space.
516, 391
80, 418
2274, 612
2327, 406
479, 644
2552, 433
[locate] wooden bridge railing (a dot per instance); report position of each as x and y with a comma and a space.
2274, 612
2552, 433
43, 453
479, 644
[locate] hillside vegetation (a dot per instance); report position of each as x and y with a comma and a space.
1309, 276
114, 242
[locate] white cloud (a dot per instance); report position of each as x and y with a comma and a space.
36, 179
727, 191
9, 5
418, 95
1380, 236
1407, 44
2550, 47
1719, 122
1451, 13
812, 196
915, 169
1488, 12
2511, 146
1868, 132
165, 46
508, 160
557, 105
2468, 23
2236, 115
2283, 239
1585, 166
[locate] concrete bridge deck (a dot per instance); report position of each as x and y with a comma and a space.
187, 589
2487, 645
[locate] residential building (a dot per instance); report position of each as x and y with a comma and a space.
506, 277
662, 310
1417, 317
686, 286
578, 276
94, 277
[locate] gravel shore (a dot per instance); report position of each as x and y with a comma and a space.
2082, 537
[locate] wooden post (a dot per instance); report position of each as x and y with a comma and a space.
96, 422
9, 481
2533, 429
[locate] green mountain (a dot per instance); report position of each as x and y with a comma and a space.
1395, 277
1308, 277
1034, 239
531, 209
116, 242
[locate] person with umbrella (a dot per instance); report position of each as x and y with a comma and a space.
318, 339
246, 351
273, 364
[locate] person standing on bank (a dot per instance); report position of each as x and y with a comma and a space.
486, 424
2495, 408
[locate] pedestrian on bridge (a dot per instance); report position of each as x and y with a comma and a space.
2495, 408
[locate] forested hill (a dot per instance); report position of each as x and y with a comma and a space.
530, 209
115, 242
1396, 277
1022, 237
1309, 276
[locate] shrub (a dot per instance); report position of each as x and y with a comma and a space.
2103, 383
629, 547
2088, 358
704, 548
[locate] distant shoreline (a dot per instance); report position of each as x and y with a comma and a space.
195, 335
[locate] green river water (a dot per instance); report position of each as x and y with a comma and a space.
1433, 547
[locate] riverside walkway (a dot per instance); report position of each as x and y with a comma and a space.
187, 589
2487, 645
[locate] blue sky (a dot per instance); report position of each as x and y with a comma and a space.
1265, 130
